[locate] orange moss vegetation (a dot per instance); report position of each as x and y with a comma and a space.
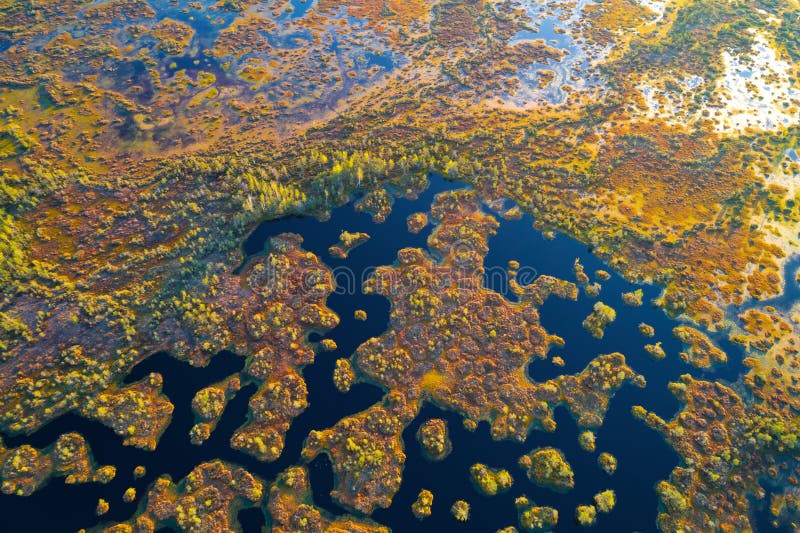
416, 222
173, 36
437, 350
533, 517
139, 412
774, 382
547, 467
194, 327
295, 284
367, 453
598, 319
700, 352
490, 481
292, 509
764, 329
244, 36
384, 16
347, 242
208, 499
421, 508
100, 318
111, 10
490, 68
774, 377
377, 203
607, 463
659, 167
556, 156
688, 177
89, 51
24, 21
434, 439
343, 375
475, 367
208, 405
726, 448
25, 469
108, 251
604, 23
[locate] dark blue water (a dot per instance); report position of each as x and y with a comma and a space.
384, 60
643, 457
299, 8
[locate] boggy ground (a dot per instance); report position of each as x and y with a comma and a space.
114, 241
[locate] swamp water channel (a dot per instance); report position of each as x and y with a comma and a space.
644, 458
